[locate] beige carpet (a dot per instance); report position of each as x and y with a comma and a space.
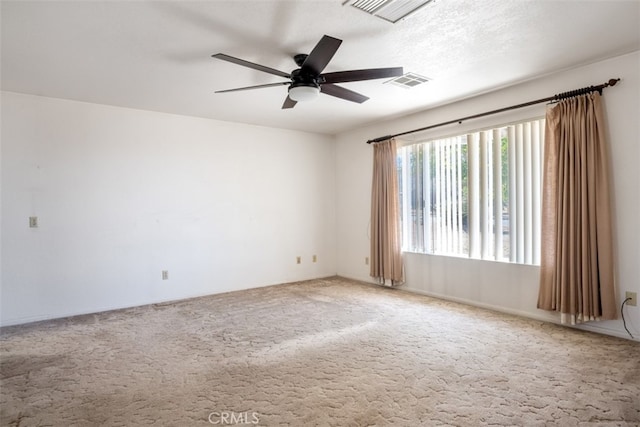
320, 353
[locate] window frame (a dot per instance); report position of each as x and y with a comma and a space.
526, 149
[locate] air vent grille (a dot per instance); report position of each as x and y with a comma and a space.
369, 6
389, 10
408, 80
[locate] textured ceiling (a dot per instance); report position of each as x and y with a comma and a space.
157, 55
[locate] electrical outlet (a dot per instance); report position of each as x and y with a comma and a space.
314, 258
298, 260
634, 298
165, 275
366, 260
33, 222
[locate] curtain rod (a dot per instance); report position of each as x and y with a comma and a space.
554, 98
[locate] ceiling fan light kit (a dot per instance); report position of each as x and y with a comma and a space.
303, 92
306, 82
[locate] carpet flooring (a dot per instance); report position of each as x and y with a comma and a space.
329, 352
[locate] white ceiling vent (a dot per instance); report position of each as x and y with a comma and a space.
408, 80
389, 10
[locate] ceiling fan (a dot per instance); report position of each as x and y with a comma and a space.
307, 81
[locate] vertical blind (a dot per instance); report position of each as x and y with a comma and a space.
476, 194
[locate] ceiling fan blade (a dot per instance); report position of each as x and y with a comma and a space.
358, 75
253, 87
340, 92
251, 65
321, 55
289, 103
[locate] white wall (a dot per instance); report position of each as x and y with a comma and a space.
501, 286
123, 194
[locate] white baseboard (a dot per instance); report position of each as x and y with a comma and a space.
595, 327
591, 327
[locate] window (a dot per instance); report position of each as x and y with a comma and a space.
475, 195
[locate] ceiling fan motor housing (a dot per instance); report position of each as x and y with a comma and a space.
299, 78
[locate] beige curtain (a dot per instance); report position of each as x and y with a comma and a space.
577, 264
386, 245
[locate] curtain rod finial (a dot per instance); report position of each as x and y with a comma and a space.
612, 82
